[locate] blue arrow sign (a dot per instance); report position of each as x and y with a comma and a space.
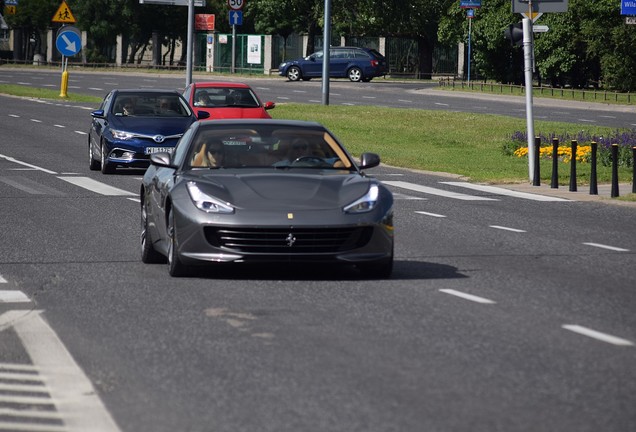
236, 17
11, 2
68, 42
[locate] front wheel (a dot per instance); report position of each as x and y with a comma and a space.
93, 163
175, 267
293, 73
149, 254
355, 74
107, 168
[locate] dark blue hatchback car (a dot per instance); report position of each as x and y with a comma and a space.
357, 64
130, 125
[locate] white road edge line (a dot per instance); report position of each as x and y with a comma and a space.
13, 296
80, 406
434, 191
602, 246
604, 337
467, 296
504, 191
507, 229
10, 159
95, 186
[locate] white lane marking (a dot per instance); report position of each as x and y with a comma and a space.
31, 388
95, 186
604, 337
80, 406
23, 83
137, 200
299, 91
13, 296
282, 97
587, 121
2, 280
402, 196
80, 132
314, 101
10, 159
440, 192
36, 121
602, 246
96, 88
503, 191
430, 214
467, 296
442, 104
405, 101
14, 115
111, 83
507, 228
607, 116
59, 126
369, 97
348, 104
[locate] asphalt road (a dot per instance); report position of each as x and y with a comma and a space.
407, 94
505, 313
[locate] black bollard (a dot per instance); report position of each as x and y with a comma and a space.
634, 169
555, 163
614, 170
573, 167
536, 177
593, 182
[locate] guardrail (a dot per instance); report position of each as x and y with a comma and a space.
564, 93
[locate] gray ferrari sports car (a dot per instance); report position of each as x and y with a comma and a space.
264, 191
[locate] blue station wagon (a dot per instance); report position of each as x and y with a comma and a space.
357, 64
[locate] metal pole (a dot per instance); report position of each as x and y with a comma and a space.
573, 147
593, 177
614, 192
555, 164
527, 55
325, 53
232, 70
190, 40
470, 22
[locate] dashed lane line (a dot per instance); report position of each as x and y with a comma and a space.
604, 337
95, 186
602, 246
507, 228
466, 296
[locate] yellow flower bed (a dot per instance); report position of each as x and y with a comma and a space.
583, 153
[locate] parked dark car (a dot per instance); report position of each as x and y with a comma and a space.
258, 190
130, 125
357, 64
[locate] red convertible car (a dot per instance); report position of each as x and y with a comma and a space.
226, 100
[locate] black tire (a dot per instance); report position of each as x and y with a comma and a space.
149, 254
93, 163
175, 267
294, 73
355, 74
107, 168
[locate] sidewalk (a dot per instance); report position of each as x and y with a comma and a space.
582, 193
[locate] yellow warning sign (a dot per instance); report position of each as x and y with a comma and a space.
10, 10
63, 14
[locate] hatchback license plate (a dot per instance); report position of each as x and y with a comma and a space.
151, 150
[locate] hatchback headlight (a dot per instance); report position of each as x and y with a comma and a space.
206, 202
122, 135
365, 203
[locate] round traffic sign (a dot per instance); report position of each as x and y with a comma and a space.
235, 4
68, 41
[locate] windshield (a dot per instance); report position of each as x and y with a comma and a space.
150, 105
279, 147
225, 97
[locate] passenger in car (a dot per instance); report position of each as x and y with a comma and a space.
210, 154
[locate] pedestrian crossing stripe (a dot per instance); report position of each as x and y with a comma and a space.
63, 14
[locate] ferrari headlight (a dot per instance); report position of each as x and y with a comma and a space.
365, 203
206, 202
122, 135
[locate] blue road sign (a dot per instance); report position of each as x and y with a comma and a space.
628, 7
11, 2
465, 4
69, 41
236, 17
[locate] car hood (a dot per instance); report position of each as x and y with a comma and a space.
284, 190
151, 125
235, 113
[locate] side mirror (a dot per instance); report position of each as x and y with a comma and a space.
161, 159
97, 114
369, 160
269, 106
202, 115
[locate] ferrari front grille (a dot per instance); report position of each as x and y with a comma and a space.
290, 241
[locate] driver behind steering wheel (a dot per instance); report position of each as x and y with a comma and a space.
297, 149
